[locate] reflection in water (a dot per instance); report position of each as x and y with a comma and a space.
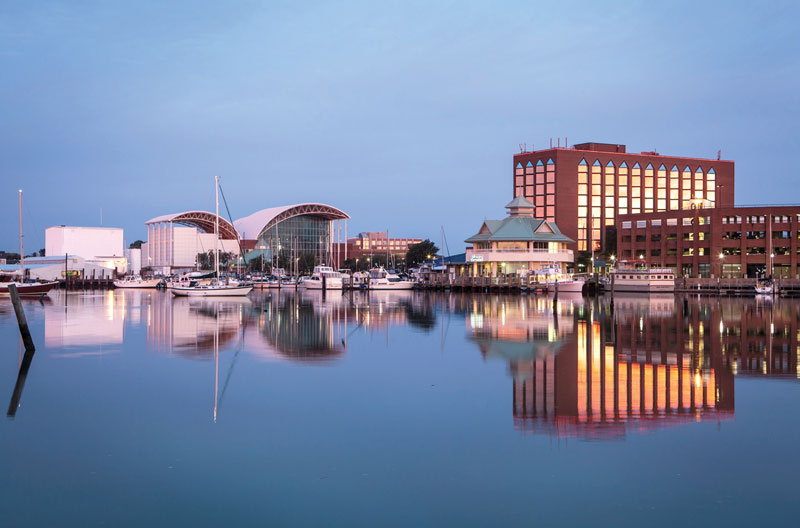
22, 375
590, 369
597, 370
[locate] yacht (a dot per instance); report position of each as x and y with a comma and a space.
380, 279
136, 281
332, 279
633, 279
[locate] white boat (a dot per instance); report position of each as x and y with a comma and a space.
567, 285
136, 281
332, 279
380, 279
633, 279
215, 289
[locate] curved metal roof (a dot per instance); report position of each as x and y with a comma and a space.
202, 220
251, 227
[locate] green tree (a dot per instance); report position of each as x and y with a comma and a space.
420, 252
136, 244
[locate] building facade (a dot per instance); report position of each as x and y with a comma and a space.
301, 231
86, 242
584, 189
175, 240
720, 241
379, 243
519, 243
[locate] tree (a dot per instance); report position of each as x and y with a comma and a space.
584, 261
41, 252
136, 245
421, 252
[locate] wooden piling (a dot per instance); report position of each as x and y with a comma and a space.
23, 323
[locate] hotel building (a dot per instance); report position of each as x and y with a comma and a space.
719, 242
584, 189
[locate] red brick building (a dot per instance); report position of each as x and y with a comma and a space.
377, 243
584, 189
721, 241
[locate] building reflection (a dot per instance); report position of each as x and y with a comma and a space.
93, 319
597, 371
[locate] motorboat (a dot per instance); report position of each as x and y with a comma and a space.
626, 278
136, 281
567, 285
192, 278
323, 276
380, 279
217, 288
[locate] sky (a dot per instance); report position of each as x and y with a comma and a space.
405, 115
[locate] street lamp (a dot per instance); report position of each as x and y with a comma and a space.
771, 264
721, 262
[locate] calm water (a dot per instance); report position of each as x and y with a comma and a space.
400, 409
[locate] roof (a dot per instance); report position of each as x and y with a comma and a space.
521, 202
251, 227
519, 228
202, 220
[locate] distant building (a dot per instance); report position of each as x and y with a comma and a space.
56, 268
584, 189
97, 246
174, 240
292, 232
282, 233
377, 243
516, 244
720, 241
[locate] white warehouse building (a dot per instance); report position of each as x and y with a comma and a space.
101, 247
174, 240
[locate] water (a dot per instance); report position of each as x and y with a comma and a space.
400, 409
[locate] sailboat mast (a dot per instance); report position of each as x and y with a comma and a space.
216, 226
21, 250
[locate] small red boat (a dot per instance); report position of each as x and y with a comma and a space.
29, 288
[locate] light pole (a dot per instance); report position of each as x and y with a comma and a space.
356, 264
721, 262
771, 264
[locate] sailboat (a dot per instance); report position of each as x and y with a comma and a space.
217, 287
25, 288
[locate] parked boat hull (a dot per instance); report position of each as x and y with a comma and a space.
28, 289
235, 291
151, 283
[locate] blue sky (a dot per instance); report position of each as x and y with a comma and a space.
404, 114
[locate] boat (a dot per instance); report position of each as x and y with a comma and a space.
380, 279
28, 288
136, 281
764, 287
331, 279
193, 278
551, 276
629, 278
276, 279
567, 285
25, 288
218, 287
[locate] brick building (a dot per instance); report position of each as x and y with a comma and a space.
378, 243
721, 241
584, 189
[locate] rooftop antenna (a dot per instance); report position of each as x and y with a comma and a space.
559, 142
719, 154
566, 143
520, 148
526, 147
551, 142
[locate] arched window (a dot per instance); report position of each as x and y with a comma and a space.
583, 162
596, 163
